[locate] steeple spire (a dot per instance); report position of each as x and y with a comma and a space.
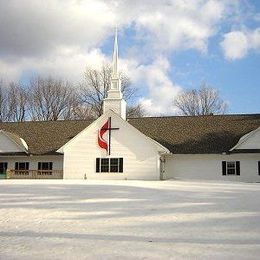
115, 58
114, 100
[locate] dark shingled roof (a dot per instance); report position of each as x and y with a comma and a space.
45, 137
180, 134
198, 134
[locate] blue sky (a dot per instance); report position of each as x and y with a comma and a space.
166, 46
238, 81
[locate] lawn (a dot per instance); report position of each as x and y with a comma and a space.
51, 219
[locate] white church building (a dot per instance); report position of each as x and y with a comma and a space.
214, 147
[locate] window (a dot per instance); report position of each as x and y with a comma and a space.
104, 165
3, 167
109, 164
45, 166
22, 168
114, 165
231, 168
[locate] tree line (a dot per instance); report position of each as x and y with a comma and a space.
49, 98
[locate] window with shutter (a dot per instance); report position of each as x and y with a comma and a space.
112, 165
230, 167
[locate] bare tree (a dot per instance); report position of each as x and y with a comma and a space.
17, 102
82, 112
204, 101
95, 87
51, 99
13, 102
135, 111
4, 114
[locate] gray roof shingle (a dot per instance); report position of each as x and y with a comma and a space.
180, 134
198, 134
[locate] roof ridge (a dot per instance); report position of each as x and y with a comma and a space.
48, 121
130, 118
184, 116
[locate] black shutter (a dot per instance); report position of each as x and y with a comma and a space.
121, 166
237, 167
50, 166
16, 166
97, 164
258, 167
39, 165
27, 166
224, 168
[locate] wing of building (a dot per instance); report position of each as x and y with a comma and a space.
151, 148
214, 147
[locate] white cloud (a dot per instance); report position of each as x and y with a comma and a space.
52, 37
237, 44
154, 79
181, 24
67, 63
161, 90
36, 28
33, 31
255, 39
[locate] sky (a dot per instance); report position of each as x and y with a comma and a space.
165, 46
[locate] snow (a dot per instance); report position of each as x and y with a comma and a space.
59, 219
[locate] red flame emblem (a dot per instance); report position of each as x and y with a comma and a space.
101, 141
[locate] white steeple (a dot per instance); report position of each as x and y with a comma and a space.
115, 58
114, 100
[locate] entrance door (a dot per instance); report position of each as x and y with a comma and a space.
3, 168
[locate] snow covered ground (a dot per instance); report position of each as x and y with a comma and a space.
48, 219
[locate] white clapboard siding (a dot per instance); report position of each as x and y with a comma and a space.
209, 167
7, 145
33, 161
250, 140
140, 154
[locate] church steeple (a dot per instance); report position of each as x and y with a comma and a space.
115, 58
115, 80
114, 100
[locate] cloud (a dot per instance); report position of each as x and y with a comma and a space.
35, 32
68, 63
37, 28
255, 39
161, 90
237, 44
52, 37
181, 24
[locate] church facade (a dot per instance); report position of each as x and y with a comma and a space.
221, 147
